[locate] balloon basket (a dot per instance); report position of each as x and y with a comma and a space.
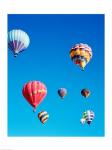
34, 110
15, 55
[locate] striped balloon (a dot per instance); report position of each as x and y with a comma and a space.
34, 92
81, 54
18, 40
88, 116
43, 116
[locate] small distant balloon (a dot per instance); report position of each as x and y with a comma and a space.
88, 116
18, 41
82, 120
43, 116
62, 92
85, 93
81, 54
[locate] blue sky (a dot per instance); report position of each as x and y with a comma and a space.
47, 60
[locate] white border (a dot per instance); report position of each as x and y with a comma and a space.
55, 7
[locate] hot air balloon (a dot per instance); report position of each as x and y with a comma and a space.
88, 116
43, 116
81, 54
34, 92
85, 93
82, 120
62, 92
18, 41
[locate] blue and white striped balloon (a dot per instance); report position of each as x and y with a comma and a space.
18, 40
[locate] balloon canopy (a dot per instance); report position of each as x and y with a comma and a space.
88, 116
18, 41
34, 92
62, 92
43, 116
81, 54
85, 93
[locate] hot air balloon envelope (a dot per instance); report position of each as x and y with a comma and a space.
81, 54
85, 93
18, 41
43, 116
34, 92
62, 92
88, 116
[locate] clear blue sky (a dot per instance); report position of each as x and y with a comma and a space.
47, 60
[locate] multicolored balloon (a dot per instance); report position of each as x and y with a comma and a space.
81, 54
88, 117
62, 92
85, 92
34, 92
43, 116
18, 41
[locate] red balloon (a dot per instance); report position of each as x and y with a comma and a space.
34, 92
